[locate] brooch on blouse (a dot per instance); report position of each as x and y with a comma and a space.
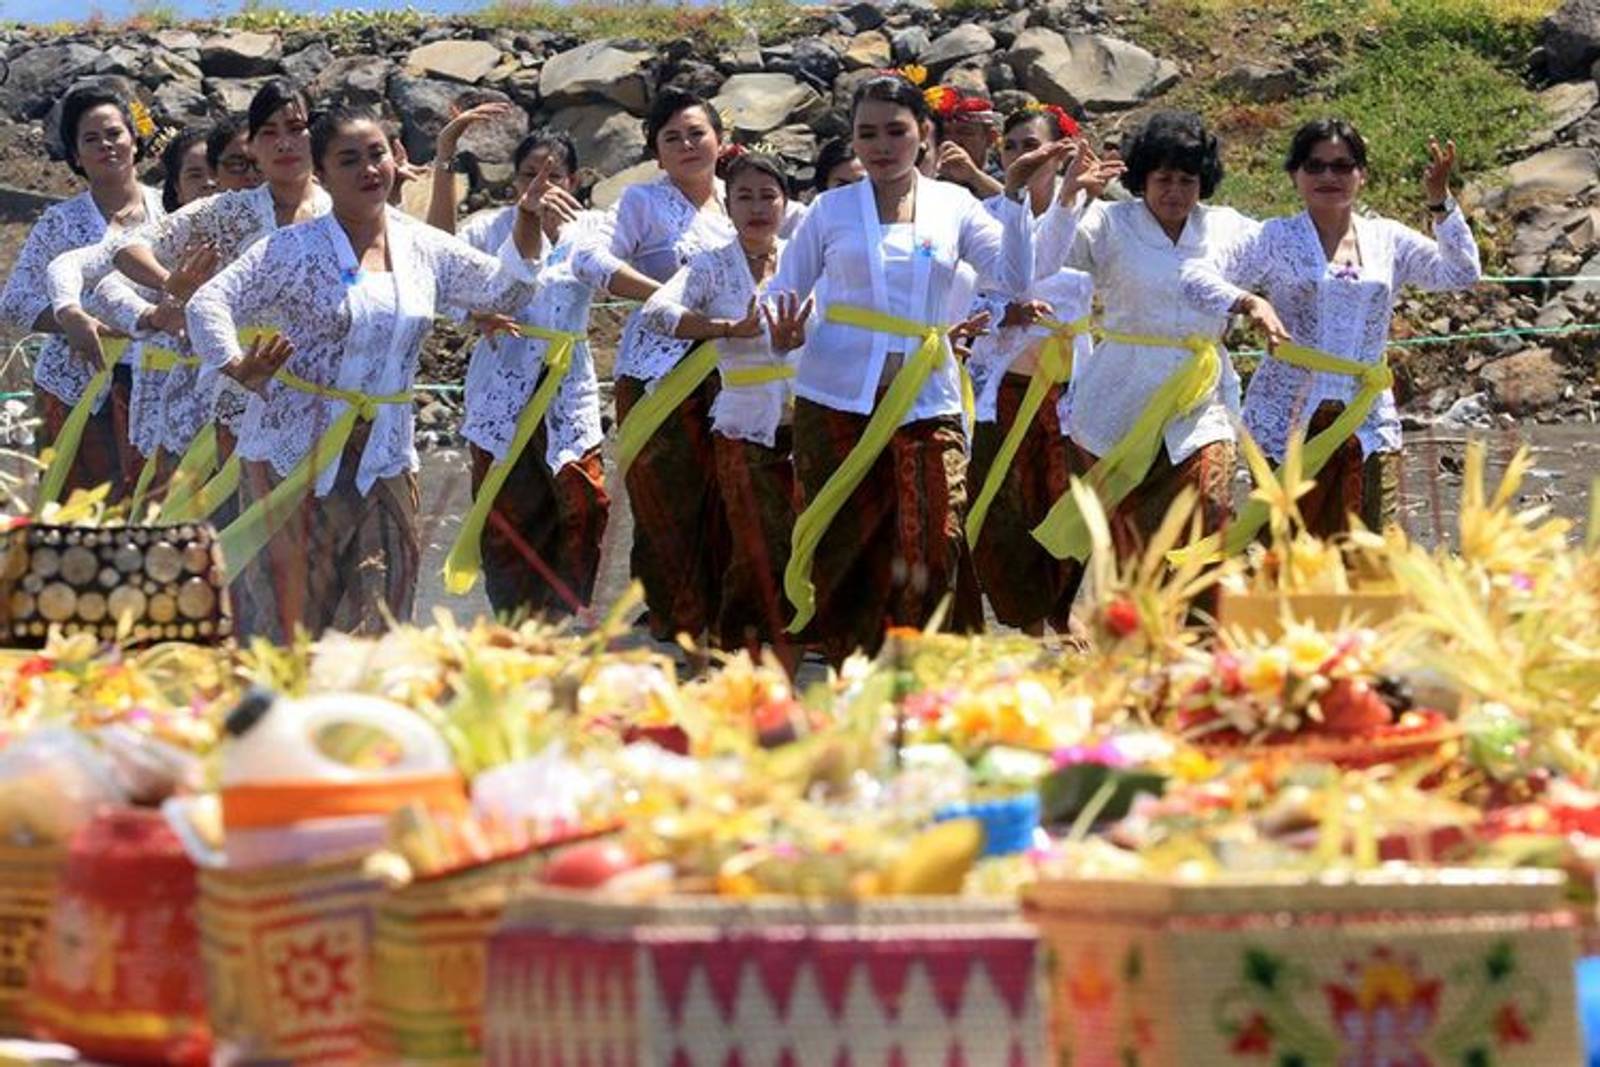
1348, 272
927, 249
350, 275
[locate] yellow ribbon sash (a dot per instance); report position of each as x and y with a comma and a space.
1128, 462
196, 491
753, 377
1375, 379
897, 401
64, 450
646, 417
251, 531
154, 360
465, 561
1055, 368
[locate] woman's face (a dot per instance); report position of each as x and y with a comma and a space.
1025, 137
528, 172
887, 138
1171, 195
104, 144
357, 169
1330, 177
847, 173
194, 175
756, 204
236, 168
282, 146
688, 144
974, 137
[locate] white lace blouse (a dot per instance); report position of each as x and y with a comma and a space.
1344, 311
719, 284
1136, 270
168, 408
843, 255
305, 281
503, 373
655, 230
65, 227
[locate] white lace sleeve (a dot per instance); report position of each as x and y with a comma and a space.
1088, 243
479, 230
26, 297
1215, 286
601, 254
1449, 261
469, 278
239, 294
687, 290
1056, 231
169, 235
1001, 251
122, 303
72, 274
800, 263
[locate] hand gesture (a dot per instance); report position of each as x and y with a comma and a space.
1436, 178
1265, 317
1021, 172
533, 195
450, 136
749, 326
954, 163
83, 332
168, 318
194, 269
557, 208
255, 368
963, 333
1089, 174
493, 325
787, 328
1026, 313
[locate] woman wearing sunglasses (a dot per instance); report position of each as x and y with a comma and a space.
1331, 277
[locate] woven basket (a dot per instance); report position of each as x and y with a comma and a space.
428, 962
28, 879
286, 953
704, 982
1423, 967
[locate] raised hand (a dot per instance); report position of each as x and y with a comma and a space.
964, 332
1026, 313
1265, 317
1023, 169
1089, 173
787, 327
1436, 178
254, 369
557, 208
954, 163
749, 326
450, 136
198, 263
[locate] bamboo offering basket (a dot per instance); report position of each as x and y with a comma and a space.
28, 881
1463, 967
705, 982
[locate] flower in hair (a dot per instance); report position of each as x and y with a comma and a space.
143, 123
1066, 125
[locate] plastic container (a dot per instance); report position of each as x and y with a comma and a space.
1008, 825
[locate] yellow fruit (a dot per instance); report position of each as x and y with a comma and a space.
937, 860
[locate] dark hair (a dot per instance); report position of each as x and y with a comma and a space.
80, 102
557, 142
669, 104
333, 122
172, 164
1313, 133
1022, 115
1173, 140
769, 165
832, 154
271, 98
217, 141
893, 89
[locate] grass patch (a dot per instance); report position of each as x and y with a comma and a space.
724, 24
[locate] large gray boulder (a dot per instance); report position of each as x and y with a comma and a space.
181, 103
424, 106
233, 95
358, 81
1089, 71
1549, 177
454, 60
1572, 39
597, 70
964, 42
756, 103
609, 191
241, 55
303, 66
38, 75
608, 138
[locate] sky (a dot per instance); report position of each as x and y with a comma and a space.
77, 10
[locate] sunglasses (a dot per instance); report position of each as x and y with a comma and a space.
236, 165
1341, 167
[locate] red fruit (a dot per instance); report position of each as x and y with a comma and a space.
1121, 617
1352, 707
589, 865
671, 738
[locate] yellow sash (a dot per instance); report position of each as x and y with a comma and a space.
196, 491
64, 450
1128, 462
751, 377
1055, 367
1375, 379
646, 417
897, 402
465, 561
154, 360
250, 532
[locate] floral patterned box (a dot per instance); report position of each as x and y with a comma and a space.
1415, 969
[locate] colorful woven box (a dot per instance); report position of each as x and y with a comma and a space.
28, 880
286, 952
1420, 969
709, 982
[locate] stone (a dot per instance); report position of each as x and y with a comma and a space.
468, 62
181, 103
692, 76
38, 75
1008, 29
816, 62
965, 41
797, 143
599, 69
1007, 101
967, 78
868, 51
304, 66
1526, 382
426, 104
358, 81
1549, 177
240, 55
608, 137
120, 59
998, 76
1563, 106
233, 95
180, 41
744, 57
756, 103
864, 16
1260, 83
495, 140
1571, 39
909, 44
1089, 71
608, 192
164, 66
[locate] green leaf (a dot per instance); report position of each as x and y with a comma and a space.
1477, 1057
1261, 968
1501, 961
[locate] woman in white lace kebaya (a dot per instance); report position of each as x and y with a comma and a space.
1331, 278
327, 438
1150, 411
717, 300
887, 257
541, 545
99, 136
657, 227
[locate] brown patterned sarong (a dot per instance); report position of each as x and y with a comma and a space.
1366, 485
340, 561
1026, 585
680, 531
897, 548
1209, 469
106, 455
756, 484
541, 546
